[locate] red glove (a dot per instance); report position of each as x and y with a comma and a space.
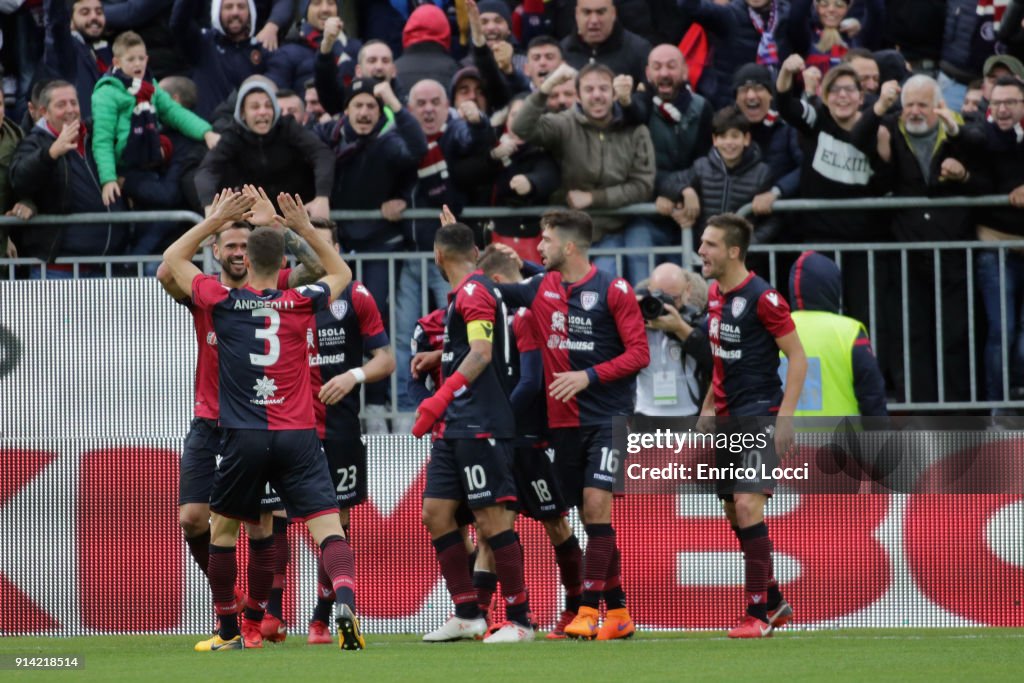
431, 409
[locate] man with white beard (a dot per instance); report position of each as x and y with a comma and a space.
924, 154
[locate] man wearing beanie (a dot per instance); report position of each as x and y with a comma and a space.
372, 169
780, 147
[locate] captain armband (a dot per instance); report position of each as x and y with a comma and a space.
480, 330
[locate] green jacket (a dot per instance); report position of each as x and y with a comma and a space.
10, 136
112, 107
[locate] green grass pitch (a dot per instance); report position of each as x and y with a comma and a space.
831, 656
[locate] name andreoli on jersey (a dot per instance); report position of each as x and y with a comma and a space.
251, 304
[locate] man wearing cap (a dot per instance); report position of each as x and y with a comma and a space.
780, 146
373, 163
996, 67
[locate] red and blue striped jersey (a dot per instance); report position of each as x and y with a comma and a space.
206, 403
593, 324
743, 325
350, 327
483, 410
264, 341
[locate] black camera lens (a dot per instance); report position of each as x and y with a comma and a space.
651, 307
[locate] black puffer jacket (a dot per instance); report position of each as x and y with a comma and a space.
724, 190
624, 52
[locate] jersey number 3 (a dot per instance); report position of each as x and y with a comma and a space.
268, 333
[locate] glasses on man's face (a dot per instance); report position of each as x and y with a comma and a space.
996, 104
843, 89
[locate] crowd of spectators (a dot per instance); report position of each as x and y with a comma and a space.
699, 106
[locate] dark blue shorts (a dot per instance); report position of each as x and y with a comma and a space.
585, 457
198, 461
346, 459
292, 461
477, 471
740, 463
540, 495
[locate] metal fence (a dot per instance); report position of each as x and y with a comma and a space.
880, 257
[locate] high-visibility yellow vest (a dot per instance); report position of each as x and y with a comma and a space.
828, 340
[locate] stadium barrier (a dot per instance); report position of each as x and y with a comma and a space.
96, 381
778, 255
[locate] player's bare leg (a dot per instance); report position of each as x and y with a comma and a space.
194, 519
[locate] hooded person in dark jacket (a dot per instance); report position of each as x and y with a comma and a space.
74, 48
270, 151
291, 65
54, 166
223, 55
426, 41
843, 378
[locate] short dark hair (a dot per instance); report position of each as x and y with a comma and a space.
265, 250
837, 72
497, 262
543, 41
37, 90
729, 118
574, 226
285, 92
326, 224
455, 239
976, 84
1009, 82
592, 68
46, 92
737, 229
857, 53
236, 225
184, 88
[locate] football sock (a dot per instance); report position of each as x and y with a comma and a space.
485, 583
199, 548
262, 557
324, 593
454, 561
223, 571
340, 564
600, 547
614, 595
569, 558
508, 564
281, 559
756, 558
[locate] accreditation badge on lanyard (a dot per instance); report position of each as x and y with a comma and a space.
666, 391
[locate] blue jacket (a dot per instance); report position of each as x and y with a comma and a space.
967, 42
734, 42
219, 65
68, 184
369, 171
292, 64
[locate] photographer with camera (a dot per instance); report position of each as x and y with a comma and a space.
674, 383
